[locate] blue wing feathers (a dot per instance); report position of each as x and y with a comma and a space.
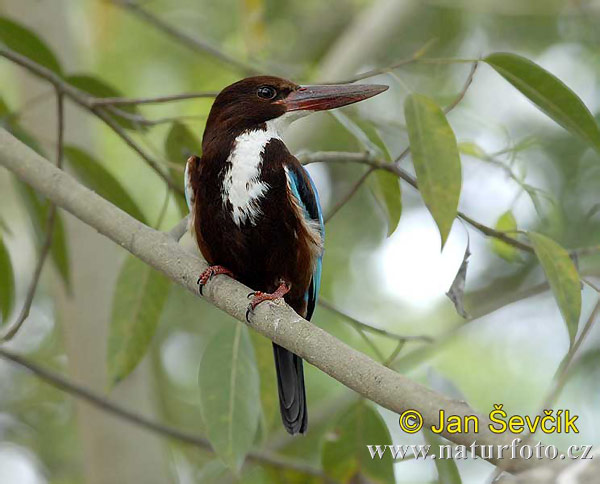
303, 188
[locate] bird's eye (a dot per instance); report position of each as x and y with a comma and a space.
266, 92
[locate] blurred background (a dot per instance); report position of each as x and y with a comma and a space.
506, 352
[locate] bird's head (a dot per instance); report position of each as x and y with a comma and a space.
251, 102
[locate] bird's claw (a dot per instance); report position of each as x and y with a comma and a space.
259, 297
209, 273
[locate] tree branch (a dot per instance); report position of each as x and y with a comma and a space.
197, 45
9, 332
457, 100
373, 329
346, 198
366, 159
99, 401
86, 101
120, 101
383, 70
275, 320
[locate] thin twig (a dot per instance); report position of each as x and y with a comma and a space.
558, 381
346, 198
373, 329
104, 404
180, 229
390, 360
84, 100
457, 100
193, 43
143, 121
383, 70
14, 328
461, 95
349, 157
116, 101
369, 342
135, 147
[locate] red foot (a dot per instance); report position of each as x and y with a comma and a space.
260, 296
208, 274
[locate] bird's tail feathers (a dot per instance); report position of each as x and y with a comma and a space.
292, 395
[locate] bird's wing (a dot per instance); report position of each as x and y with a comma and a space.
190, 167
304, 190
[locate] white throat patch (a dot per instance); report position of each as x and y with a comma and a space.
242, 186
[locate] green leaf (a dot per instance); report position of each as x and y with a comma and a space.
385, 187
446, 468
38, 207
435, 158
269, 396
100, 88
98, 178
345, 455
549, 94
139, 297
472, 149
229, 394
25, 42
180, 144
7, 121
506, 223
7, 283
563, 278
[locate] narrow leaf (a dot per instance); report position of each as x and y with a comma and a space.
180, 144
100, 88
472, 149
98, 178
436, 159
563, 278
25, 42
456, 293
140, 295
269, 398
7, 283
38, 212
549, 94
345, 456
7, 121
229, 394
385, 187
506, 223
446, 467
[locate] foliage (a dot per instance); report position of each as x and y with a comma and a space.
234, 400
140, 295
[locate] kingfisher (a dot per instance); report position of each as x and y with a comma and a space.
255, 211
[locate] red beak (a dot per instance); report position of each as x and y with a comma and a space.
319, 98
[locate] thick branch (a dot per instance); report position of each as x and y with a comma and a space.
276, 321
87, 102
10, 331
